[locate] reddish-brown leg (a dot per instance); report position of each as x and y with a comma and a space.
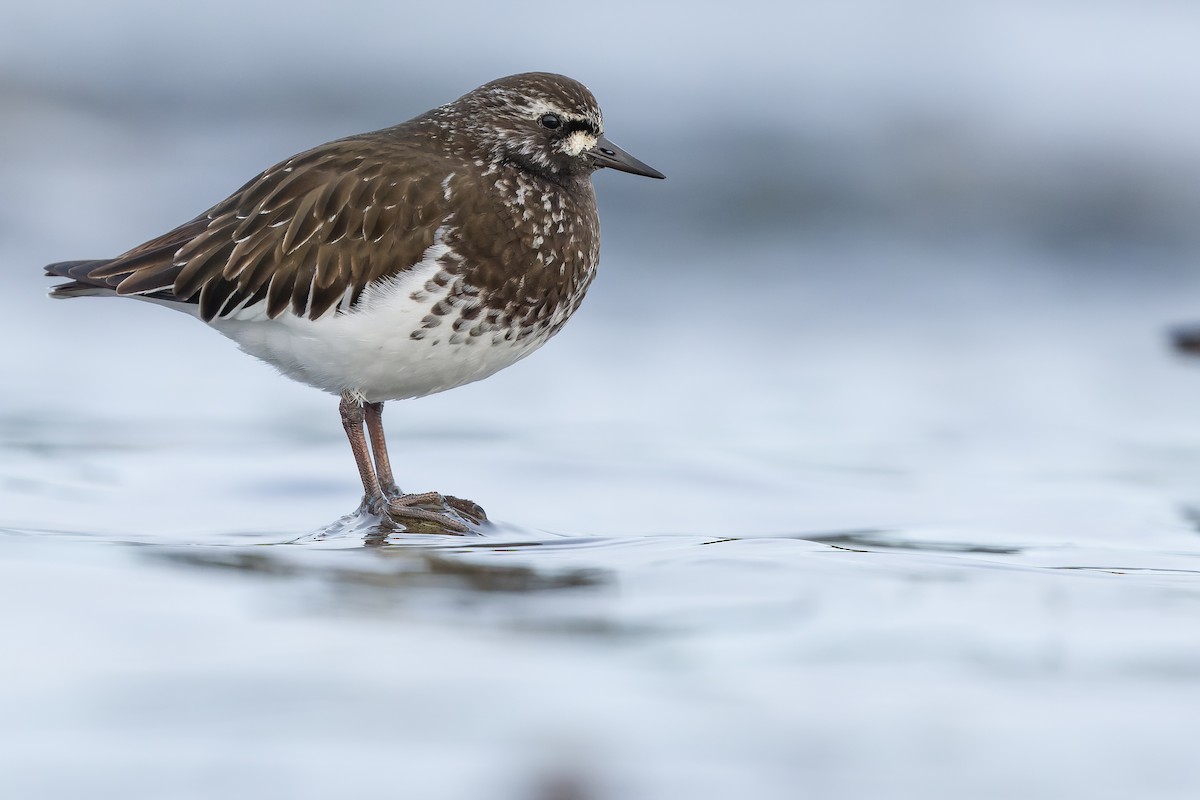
397, 508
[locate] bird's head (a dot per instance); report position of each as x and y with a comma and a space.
545, 123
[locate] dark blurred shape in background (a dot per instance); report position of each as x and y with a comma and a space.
1187, 340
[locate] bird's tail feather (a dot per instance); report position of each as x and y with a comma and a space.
81, 284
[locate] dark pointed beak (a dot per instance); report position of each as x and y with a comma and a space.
607, 154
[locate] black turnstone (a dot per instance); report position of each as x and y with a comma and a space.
397, 263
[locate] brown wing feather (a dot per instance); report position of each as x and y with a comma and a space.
306, 234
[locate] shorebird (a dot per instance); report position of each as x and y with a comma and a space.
397, 263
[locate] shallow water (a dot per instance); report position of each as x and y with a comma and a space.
864, 471
879, 551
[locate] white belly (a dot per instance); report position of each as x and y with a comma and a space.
370, 350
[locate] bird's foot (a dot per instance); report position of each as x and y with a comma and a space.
427, 512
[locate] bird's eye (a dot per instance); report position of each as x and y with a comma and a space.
550, 121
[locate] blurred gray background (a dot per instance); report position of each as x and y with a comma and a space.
906, 288
908, 221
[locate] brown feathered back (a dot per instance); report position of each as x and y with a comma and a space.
356, 208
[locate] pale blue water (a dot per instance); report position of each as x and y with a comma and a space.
864, 470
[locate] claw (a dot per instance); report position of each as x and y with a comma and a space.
472, 512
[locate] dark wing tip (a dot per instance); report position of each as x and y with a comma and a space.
80, 274
75, 270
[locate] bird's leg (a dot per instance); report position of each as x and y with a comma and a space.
373, 413
383, 467
401, 507
351, 408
